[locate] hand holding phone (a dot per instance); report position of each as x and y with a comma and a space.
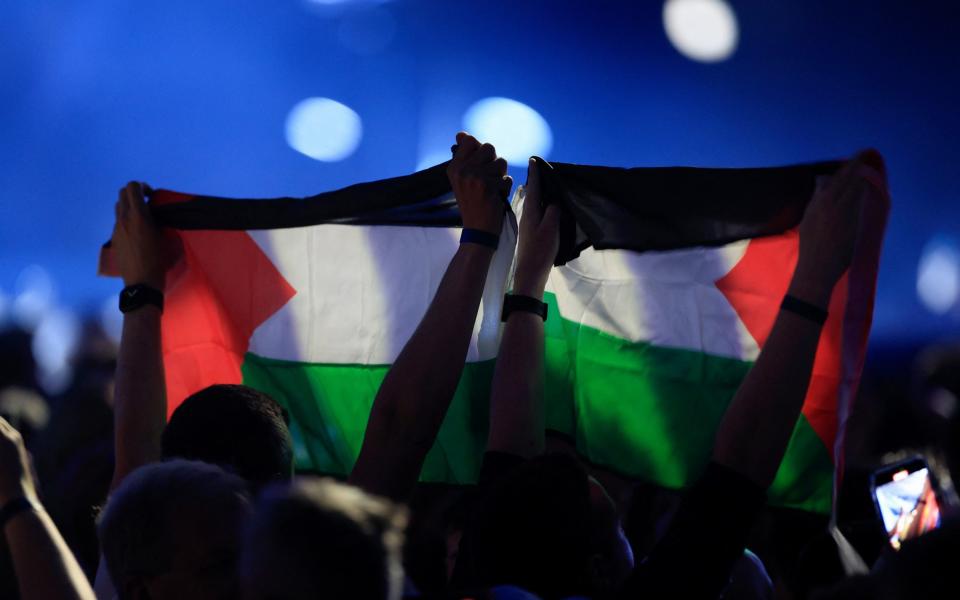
905, 495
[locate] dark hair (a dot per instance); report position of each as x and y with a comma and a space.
236, 427
319, 538
533, 530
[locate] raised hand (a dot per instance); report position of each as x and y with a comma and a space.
16, 474
829, 229
480, 183
136, 241
539, 239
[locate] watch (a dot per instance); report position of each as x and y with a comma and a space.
515, 302
134, 296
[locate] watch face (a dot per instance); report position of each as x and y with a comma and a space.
135, 296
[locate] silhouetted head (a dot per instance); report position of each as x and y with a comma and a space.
236, 427
317, 538
172, 530
550, 529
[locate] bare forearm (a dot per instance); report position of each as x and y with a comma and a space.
414, 397
516, 401
140, 404
756, 429
432, 361
45, 567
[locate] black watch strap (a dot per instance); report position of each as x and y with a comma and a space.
135, 296
513, 303
808, 311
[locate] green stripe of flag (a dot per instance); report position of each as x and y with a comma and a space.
642, 410
329, 405
651, 412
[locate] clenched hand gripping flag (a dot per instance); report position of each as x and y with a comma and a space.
679, 277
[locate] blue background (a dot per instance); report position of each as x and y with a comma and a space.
194, 95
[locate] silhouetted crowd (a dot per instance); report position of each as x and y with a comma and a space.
118, 500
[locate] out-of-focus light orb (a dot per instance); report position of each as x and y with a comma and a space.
938, 277
701, 30
516, 130
323, 129
54, 343
35, 295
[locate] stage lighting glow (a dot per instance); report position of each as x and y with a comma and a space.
431, 159
938, 277
323, 129
702, 30
35, 294
517, 131
54, 342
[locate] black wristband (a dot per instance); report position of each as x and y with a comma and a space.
802, 308
137, 295
14, 508
513, 303
475, 236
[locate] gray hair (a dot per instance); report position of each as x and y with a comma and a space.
135, 525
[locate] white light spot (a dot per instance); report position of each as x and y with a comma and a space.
702, 30
432, 159
35, 294
938, 277
323, 129
54, 343
516, 130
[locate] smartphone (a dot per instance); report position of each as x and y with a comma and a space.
906, 497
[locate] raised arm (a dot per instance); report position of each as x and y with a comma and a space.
45, 567
140, 397
756, 428
711, 527
415, 395
516, 401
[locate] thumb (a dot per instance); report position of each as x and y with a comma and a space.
533, 178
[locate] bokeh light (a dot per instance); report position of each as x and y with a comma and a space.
938, 276
35, 295
701, 30
54, 343
432, 159
517, 131
323, 129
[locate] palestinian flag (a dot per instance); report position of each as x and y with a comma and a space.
672, 280
312, 299
669, 284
